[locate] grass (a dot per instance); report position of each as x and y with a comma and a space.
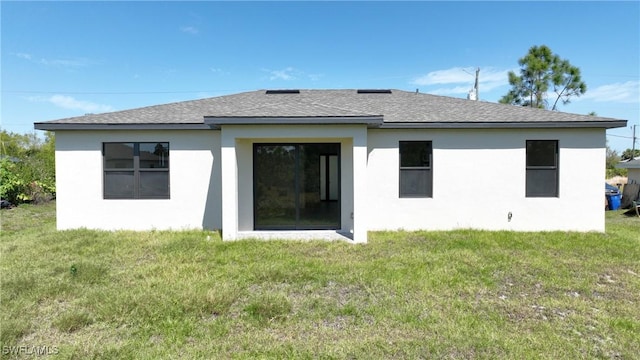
461, 294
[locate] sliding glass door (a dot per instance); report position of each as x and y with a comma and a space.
296, 186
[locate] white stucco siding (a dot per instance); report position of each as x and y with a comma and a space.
194, 172
479, 178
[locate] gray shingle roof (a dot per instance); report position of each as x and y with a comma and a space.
398, 107
629, 164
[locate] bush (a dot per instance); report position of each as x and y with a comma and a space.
12, 188
27, 168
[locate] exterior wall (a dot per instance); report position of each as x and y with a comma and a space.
237, 171
194, 182
479, 178
633, 176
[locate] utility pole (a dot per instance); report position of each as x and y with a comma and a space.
633, 142
475, 86
474, 93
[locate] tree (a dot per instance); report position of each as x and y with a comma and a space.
626, 155
612, 160
542, 70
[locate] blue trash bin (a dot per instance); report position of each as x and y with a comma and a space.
614, 201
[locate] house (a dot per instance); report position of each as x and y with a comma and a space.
633, 167
631, 191
325, 163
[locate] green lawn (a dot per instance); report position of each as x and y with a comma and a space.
461, 294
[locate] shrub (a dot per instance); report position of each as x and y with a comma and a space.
18, 186
27, 168
12, 187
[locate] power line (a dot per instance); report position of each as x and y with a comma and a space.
621, 136
614, 75
109, 92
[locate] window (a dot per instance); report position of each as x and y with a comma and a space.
135, 170
415, 169
542, 168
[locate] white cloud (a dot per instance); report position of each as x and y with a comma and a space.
77, 62
23, 56
626, 92
189, 30
489, 79
219, 71
64, 62
315, 77
68, 102
290, 73
449, 76
450, 91
287, 73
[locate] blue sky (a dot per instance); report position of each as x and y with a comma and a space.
63, 59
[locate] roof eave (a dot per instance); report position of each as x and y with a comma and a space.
213, 122
70, 126
505, 125
629, 164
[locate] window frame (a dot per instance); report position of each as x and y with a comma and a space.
428, 171
136, 170
532, 169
